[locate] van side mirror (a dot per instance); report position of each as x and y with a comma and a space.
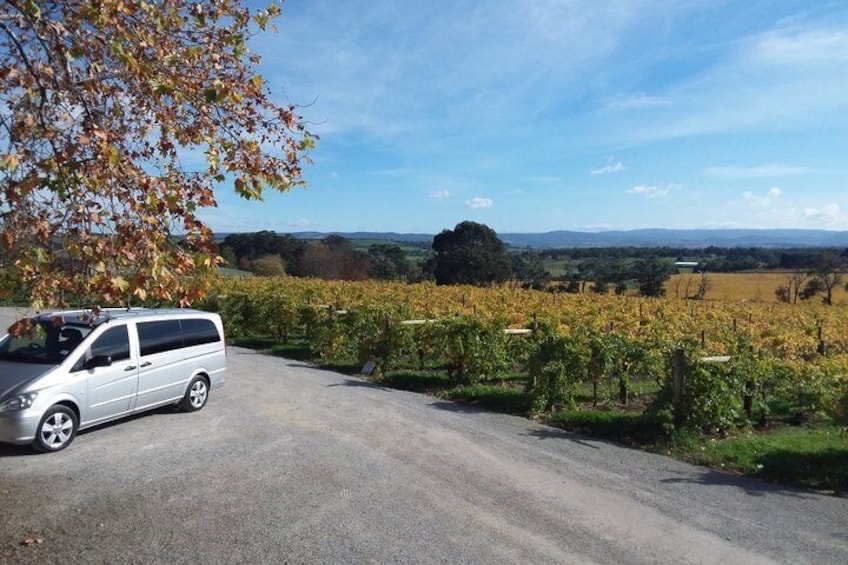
98, 361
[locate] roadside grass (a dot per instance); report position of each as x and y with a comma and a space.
500, 398
788, 451
811, 456
633, 428
424, 381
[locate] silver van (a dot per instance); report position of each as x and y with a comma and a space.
75, 369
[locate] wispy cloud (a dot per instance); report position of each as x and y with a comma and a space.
609, 169
634, 101
761, 171
478, 203
815, 46
762, 201
764, 82
653, 191
419, 102
403, 68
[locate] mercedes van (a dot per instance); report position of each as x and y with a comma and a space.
71, 370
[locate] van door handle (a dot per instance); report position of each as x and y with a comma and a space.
146, 364
130, 368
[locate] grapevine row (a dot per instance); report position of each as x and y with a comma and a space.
578, 340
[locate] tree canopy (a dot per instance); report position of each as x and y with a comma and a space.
105, 103
388, 262
651, 275
471, 253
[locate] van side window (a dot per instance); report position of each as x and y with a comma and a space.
114, 342
156, 337
199, 331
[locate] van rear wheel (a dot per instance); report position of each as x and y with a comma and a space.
56, 430
196, 396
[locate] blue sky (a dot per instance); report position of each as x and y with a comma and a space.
539, 115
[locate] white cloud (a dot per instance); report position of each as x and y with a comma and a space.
826, 214
762, 201
653, 191
615, 168
440, 194
761, 171
478, 203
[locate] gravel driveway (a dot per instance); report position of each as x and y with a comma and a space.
292, 464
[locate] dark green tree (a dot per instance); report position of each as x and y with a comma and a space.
650, 275
249, 246
528, 268
388, 262
471, 253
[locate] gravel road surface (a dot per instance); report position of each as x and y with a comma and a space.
292, 464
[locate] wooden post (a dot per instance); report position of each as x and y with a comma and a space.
822, 348
703, 339
679, 375
748, 399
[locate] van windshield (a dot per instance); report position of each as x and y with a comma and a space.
46, 343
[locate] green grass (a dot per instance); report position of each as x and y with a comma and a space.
813, 456
429, 382
507, 399
629, 427
810, 456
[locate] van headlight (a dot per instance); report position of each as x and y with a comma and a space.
18, 402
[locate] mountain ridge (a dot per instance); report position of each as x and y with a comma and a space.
650, 237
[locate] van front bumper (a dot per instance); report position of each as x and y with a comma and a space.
19, 427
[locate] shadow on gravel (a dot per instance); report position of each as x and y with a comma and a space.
8, 450
751, 486
460, 408
360, 384
553, 433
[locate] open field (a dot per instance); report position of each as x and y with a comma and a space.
740, 287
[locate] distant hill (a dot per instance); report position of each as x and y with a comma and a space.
680, 238
633, 238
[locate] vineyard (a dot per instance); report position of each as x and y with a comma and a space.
710, 366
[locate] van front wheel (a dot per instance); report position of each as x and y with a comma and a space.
56, 430
196, 396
